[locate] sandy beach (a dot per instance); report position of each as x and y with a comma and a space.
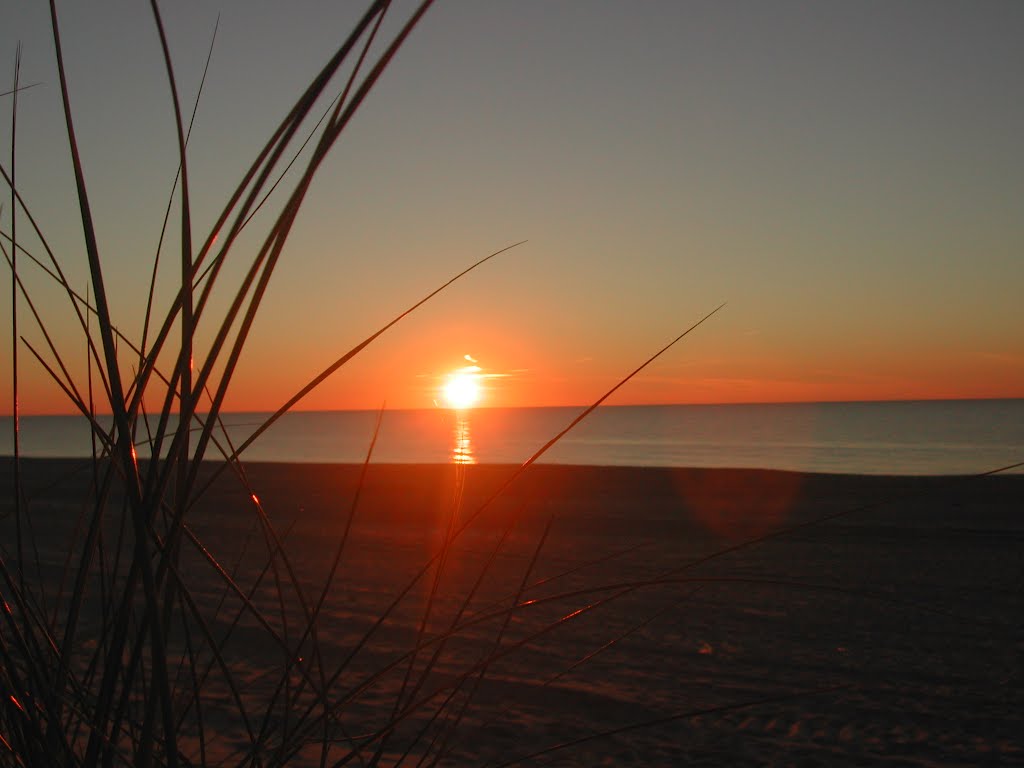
711, 617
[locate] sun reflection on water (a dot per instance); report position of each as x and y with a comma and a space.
462, 448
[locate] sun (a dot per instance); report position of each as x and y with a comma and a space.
462, 390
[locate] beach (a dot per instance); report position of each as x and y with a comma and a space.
706, 616
740, 284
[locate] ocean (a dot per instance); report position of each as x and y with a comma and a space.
913, 438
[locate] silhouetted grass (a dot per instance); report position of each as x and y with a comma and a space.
120, 701
164, 638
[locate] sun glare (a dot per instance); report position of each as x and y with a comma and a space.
462, 390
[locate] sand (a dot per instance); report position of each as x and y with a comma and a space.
891, 634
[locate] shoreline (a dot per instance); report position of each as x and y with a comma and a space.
771, 498
281, 465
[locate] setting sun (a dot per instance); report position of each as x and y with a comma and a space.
462, 390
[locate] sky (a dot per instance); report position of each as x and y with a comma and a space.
846, 177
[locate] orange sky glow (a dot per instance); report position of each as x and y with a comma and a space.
847, 179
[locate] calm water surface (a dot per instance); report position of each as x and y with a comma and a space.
932, 437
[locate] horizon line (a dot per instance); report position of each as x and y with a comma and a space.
7, 415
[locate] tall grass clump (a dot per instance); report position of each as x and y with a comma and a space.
128, 635
111, 664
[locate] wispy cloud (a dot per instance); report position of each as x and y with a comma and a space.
472, 367
1006, 358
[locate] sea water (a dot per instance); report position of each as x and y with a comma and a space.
920, 437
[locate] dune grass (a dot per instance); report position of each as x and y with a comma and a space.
120, 701
113, 662
149, 644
